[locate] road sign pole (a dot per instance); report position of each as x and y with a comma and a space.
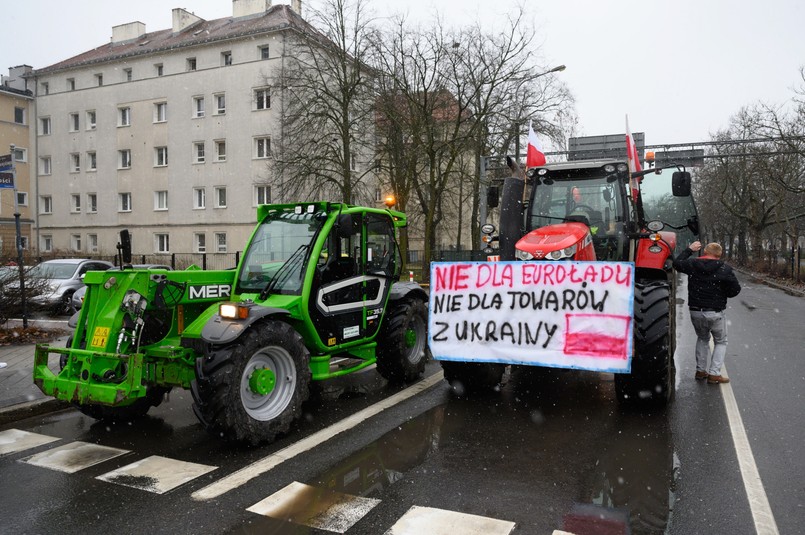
20, 261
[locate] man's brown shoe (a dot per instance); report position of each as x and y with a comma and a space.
701, 375
717, 379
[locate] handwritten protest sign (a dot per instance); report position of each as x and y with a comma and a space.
557, 314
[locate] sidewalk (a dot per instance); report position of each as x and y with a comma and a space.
19, 397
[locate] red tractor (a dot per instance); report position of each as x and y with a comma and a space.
597, 211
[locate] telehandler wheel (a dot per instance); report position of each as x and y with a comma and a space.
402, 347
252, 389
653, 373
472, 377
138, 409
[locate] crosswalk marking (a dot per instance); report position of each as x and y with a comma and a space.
156, 474
315, 507
418, 520
75, 456
14, 440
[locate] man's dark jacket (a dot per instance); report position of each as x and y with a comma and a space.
710, 281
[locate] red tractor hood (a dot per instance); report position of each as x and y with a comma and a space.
544, 240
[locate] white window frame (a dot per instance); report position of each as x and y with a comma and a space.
160, 156
22, 198
92, 243
162, 243
74, 122
160, 200
220, 242
191, 64
200, 242
71, 84
124, 116
45, 88
45, 165
47, 242
75, 162
160, 112
20, 154
45, 126
75, 242
199, 156
92, 117
45, 204
199, 198
198, 107
262, 147
220, 150
92, 203
226, 58
159, 68
219, 194
128, 74
262, 94
99, 79
75, 203
264, 52
219, 99
124, 201
124, 159
92, 161
262, 194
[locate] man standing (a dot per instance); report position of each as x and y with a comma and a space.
710, 283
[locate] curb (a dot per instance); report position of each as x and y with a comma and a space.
30, 409
759, 278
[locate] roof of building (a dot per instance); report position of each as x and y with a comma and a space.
203, 32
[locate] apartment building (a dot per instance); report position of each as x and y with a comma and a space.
167, 134
16, 105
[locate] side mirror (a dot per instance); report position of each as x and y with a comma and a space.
492, 197
344, 225
680, 184
693, 225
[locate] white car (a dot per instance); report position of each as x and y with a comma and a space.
63, 278
78, 296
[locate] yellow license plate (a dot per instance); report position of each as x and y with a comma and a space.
100, 336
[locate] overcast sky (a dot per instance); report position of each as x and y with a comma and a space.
678, 68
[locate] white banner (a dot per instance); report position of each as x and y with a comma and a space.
556, 314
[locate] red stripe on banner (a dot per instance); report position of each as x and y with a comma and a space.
591, 341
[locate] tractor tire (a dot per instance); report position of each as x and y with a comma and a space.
402, 348
653, 373
138, 409
224, 397
472, 377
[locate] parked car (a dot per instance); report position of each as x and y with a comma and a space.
63, 278
78, 296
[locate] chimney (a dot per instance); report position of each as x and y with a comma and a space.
245, 8
296, 5
183, 19
127, 32
16, 77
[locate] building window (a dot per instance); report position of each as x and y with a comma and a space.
92, 203
99, 79
200, 242
219, 192
20, 155
75, 242
46, 204
24, 242
162, 243
91, 119
73, 122
263, 51
22, 198
92, 243
71, 84
47, 243
226, 58
125, 202
44, 165
378, 195
220, 151
124, 117
19, 115
160, 112
262, 147
220, 103
198, 152
160, 156
44, 126
124, 159
191, 64
45, 87
159, 69
160, 200
198, 106
262, 98
220, 242
127, 75
199, 198
92, 161
262, 195
75, 162
353, 164
75, 203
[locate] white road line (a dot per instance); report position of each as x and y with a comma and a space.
265, 464
758, 501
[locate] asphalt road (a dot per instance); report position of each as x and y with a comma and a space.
552, 450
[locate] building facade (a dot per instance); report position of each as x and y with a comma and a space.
167, 134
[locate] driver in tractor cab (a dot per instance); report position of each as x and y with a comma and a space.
579, 210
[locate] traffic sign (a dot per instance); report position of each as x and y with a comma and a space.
6, 180
5, 159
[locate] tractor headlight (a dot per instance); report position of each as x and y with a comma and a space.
523, 255
233, 311
567, 252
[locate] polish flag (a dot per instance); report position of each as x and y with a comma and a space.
598, 335
535, 157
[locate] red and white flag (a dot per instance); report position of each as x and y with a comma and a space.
535, 156
631, 150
